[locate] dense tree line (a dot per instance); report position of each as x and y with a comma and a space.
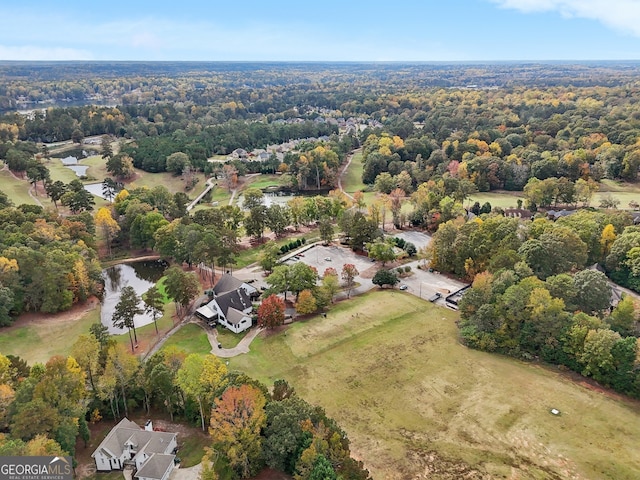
47, 262
250, 426
532, 296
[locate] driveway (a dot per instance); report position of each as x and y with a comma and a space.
191, 473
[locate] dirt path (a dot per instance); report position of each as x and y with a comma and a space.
344, 170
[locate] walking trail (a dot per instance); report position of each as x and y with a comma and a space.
344, 170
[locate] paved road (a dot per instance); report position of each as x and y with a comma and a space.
209, 186
242, 347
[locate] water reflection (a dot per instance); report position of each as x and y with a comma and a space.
139, 275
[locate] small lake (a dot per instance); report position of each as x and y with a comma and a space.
73, 159
94, 189
270, 199
139, 275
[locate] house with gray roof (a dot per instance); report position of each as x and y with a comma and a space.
151, 453
231, 305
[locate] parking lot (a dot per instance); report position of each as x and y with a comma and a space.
425, 284
324, 256
421, 283
419, 239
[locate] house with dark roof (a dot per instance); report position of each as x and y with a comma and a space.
151, 453
231, 305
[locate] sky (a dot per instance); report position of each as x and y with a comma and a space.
327, 30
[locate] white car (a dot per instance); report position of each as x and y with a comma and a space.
403, 287
327, 259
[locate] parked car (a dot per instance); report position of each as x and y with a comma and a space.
327, 259
434, 297
403, 287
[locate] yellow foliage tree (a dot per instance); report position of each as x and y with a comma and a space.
607, 238
236, 423
306, 303
106, 223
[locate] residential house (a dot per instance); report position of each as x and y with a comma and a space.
151, 453
522, 213
231, 304
239, 153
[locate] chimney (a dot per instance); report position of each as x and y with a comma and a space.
148, 426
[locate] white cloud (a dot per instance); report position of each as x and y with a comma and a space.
28, 52
622, 15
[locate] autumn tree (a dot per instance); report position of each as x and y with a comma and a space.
236, 424
349, 274
271, 312
306, 303
198, 376
86, 351
229, 176
330, 283
108, 226
119, 374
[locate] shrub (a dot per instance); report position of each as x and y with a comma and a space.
407, 269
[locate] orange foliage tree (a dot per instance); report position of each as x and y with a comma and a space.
236, 423
271, 312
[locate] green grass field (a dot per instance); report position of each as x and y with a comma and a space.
191, 338
352, 179
39, 341
496, 199
251, 255
415, 402
265, 181
17, 190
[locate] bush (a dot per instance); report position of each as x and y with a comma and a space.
410, 248
407, 269
303, 240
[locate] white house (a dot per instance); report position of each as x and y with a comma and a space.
231, 305
151, 453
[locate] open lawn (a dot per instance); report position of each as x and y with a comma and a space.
496, 199
191, 338
352, 178
417, 404
264, 181
227, 338
147, 336
17, 190
251, 255
173, 183
36, 338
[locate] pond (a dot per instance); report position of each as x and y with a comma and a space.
139, 275
95, 189
270, 198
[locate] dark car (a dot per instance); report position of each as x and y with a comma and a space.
435, 297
